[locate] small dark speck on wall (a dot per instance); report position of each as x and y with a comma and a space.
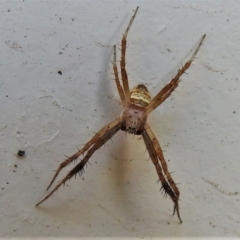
21, 153
60, 72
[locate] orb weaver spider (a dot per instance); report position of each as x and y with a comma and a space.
137, 104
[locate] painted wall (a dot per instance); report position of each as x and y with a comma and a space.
57, 89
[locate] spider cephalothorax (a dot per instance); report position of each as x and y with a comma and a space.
140, 96
137, 104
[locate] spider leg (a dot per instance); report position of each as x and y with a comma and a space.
97, 136
119, 87
123, 61
155, 152
170, 87
80, 166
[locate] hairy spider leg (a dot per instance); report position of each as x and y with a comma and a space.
155, 152
102, 139
95, 138
123, 61
115, 70
169, 88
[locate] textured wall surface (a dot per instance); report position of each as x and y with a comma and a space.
57, 90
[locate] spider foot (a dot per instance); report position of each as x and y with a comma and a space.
176, 209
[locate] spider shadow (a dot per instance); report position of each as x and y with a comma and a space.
106, 81
107, 86
105, 97
125, 173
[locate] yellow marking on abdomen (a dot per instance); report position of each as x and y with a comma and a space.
140, 96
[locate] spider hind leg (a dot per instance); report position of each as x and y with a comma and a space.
155, 152
95, 143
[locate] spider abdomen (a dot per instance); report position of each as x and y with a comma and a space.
133, 119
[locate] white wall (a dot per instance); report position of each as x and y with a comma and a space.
49, 115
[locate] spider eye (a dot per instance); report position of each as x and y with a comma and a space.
123, 127
138, 132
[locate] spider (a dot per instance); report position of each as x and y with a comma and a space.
137, 105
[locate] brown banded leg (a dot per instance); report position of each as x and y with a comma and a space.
169, 88
155, 152
123, 61
84, 149
80, 166
119, 87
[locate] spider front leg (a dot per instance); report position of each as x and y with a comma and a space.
123, 57
169, 88
155, 152
96, 142
119, 87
